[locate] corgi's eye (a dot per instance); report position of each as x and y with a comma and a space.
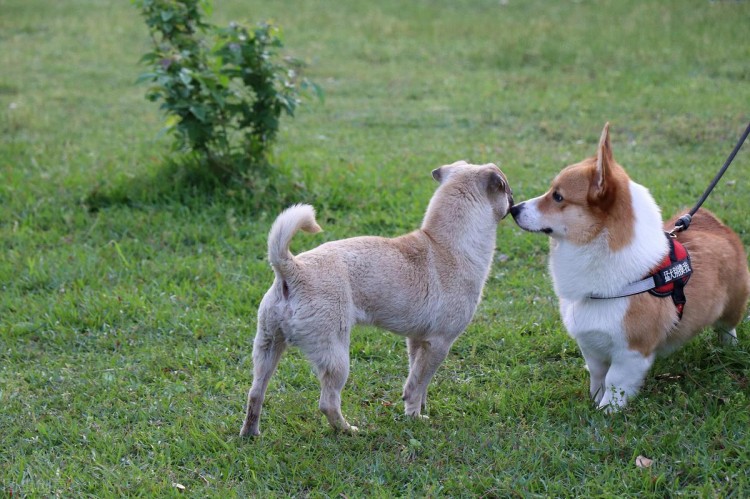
557, 197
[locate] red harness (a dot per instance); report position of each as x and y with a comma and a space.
668, 279
672, 274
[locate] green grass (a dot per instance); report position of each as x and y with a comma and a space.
129, 289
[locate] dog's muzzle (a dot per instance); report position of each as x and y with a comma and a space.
516, 209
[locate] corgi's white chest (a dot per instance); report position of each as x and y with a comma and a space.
596, 325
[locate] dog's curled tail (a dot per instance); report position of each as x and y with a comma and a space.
295, 218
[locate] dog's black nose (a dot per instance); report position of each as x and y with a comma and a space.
516, 209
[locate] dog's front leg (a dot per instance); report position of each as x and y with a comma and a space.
624, 379
598, 371
425, 357
413, 349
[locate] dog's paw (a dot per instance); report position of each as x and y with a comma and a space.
246, 431
349, 429
607, 409
728, 338
610, 406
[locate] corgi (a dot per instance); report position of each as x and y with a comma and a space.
606, 239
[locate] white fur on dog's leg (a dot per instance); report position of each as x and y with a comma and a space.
597, 372
624, 379
609, 409
613, 400
728, 338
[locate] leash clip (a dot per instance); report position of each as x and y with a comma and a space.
681, 224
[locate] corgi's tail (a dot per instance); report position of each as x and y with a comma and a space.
295, 218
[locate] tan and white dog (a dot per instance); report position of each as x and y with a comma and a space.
606, 232
424, 285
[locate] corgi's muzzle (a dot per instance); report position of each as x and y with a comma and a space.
520, 217
515, 210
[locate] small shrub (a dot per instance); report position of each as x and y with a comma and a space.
223, 89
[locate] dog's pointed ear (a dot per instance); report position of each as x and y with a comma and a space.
437, 174
442, 173
495, 181
604, 160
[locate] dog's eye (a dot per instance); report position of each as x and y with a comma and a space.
557, 197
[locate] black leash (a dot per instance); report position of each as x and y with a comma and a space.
683, 222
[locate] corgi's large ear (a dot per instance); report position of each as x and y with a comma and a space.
604, 161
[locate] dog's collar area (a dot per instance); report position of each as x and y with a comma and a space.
668, 279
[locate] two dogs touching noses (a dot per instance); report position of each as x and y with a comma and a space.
605, 232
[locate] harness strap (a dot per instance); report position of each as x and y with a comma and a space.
634, 288
668, 280
671, 279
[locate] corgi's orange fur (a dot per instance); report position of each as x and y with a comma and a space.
606, 232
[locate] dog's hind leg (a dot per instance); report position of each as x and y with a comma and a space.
725, 326
268, 346
332, 381
733, 313
425, 356
331, 362
727, 336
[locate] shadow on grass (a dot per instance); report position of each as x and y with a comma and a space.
260, 187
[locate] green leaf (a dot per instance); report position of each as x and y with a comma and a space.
317, 90
145, 77
149, 57
185, 76
199, 112
171, 121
